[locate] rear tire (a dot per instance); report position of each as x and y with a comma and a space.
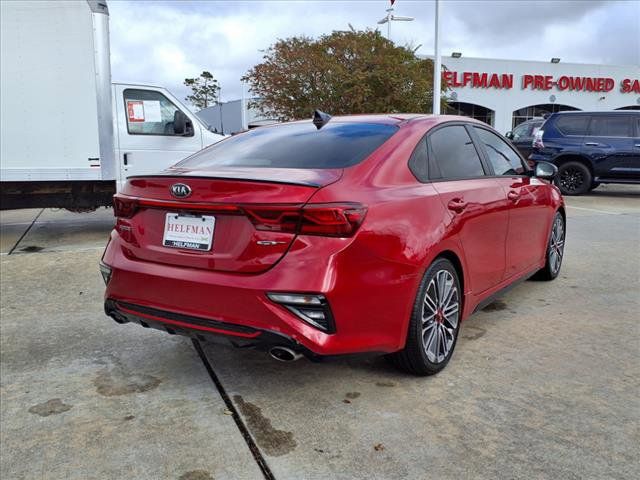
434, 323
555, 250
574, 178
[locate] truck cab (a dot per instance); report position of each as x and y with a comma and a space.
71, 140
153, 130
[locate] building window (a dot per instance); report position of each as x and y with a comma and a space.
533, 111
470, 110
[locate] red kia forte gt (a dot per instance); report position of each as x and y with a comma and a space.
373, 233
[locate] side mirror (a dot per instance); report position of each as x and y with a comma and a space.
181, 124
546, 170
509, 135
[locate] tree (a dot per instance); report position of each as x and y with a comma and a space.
205, 90
341, 73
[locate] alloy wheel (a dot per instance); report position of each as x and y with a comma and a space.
571, 179
440, 316
556, 245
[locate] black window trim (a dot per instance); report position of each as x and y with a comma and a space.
524, 163
126, 115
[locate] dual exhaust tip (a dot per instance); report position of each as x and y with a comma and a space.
284, 354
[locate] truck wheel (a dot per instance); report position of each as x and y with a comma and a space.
434, 323
574, 178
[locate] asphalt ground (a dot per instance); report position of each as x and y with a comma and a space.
544, 383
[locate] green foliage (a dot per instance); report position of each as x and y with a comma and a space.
345, 72
205, 90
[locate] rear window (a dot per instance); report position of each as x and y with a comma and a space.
295, 145
611, 126
573, 124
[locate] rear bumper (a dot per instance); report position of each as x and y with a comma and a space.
203, 329
370, 298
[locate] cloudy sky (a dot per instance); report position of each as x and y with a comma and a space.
163, 42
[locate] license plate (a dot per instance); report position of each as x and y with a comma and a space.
186, 231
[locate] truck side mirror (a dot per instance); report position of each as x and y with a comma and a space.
181, 124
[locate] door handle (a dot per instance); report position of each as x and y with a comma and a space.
125, 158
513, 195
457, 205
637, 145
592, 144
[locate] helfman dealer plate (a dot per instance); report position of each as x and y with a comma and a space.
192, 232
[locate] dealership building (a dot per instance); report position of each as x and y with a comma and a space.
502, 93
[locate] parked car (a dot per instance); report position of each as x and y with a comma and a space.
590, 148
370, 233
522, 135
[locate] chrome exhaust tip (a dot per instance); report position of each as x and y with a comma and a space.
284, 354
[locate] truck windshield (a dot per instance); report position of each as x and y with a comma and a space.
295, 145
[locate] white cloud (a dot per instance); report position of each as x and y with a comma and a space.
165, 42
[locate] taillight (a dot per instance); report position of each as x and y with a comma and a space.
324, 219
124, 207
537, 140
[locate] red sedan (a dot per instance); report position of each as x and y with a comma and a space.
372, 233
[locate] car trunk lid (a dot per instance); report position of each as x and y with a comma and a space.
229, 219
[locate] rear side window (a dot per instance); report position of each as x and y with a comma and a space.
611, 126
454, 154
418, 163
504, 160
573, 124
295, 145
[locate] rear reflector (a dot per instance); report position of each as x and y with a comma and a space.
312, 309
105, 271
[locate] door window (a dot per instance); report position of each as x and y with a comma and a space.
573, 124
503, 159
611, 126
149, 113
454, 155
522, 131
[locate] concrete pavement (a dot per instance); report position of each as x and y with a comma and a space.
544, 383
85, 398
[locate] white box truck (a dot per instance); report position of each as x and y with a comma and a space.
69, 136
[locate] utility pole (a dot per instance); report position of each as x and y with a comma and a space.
437, 62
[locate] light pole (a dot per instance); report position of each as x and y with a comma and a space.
437, 62
392, 18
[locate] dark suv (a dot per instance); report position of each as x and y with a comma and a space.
590, 148
522, 135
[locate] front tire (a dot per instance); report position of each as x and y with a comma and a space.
434, 323
555, 250
574, 178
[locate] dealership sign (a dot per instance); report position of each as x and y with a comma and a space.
538, 82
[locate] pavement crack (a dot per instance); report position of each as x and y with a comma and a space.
253, 448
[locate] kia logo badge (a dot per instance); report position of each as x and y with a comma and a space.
180, 190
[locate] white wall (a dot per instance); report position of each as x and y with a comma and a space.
505, 101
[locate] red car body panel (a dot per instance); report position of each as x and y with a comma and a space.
370, 280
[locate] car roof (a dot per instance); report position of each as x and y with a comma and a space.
599, 112
397, 118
